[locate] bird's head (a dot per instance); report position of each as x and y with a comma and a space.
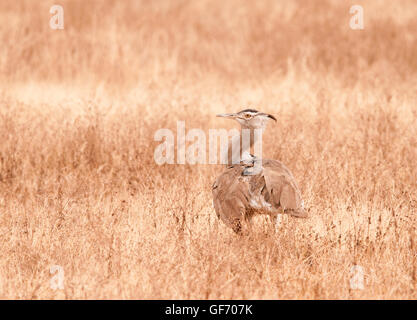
249, 118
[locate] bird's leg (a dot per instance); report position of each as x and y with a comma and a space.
278, 222
253, 168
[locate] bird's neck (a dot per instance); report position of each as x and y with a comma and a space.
240, 146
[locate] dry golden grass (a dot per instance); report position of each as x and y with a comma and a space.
79, 187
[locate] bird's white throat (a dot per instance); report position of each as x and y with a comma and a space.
239, 148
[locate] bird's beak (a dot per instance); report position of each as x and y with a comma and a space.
269, 116
227, 115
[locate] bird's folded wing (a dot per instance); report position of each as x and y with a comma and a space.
281, 188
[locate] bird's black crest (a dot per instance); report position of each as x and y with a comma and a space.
249, 110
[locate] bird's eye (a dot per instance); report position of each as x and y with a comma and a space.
247, 116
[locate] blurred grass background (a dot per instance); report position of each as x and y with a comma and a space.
79, 108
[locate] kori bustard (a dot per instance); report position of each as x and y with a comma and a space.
253, 185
